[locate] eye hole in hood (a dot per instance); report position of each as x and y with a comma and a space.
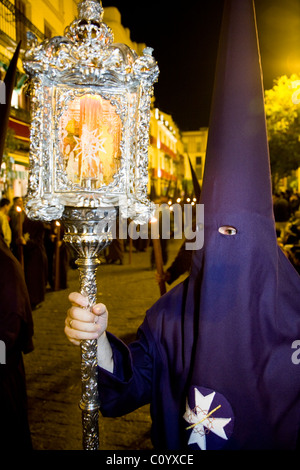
227, 230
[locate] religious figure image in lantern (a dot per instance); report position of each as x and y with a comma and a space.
90, 141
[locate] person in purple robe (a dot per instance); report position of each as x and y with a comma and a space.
218, 356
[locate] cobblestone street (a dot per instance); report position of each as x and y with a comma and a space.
53, 368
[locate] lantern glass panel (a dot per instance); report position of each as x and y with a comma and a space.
90, 135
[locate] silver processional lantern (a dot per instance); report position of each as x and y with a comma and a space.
90, 102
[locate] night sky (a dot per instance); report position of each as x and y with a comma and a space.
184, 36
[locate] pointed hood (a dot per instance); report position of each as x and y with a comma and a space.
9, 81
237, 171
236, 320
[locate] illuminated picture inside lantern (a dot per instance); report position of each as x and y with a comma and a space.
90, 136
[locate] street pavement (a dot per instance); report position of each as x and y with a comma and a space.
53, 368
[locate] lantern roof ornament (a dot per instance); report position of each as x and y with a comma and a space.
90, 120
